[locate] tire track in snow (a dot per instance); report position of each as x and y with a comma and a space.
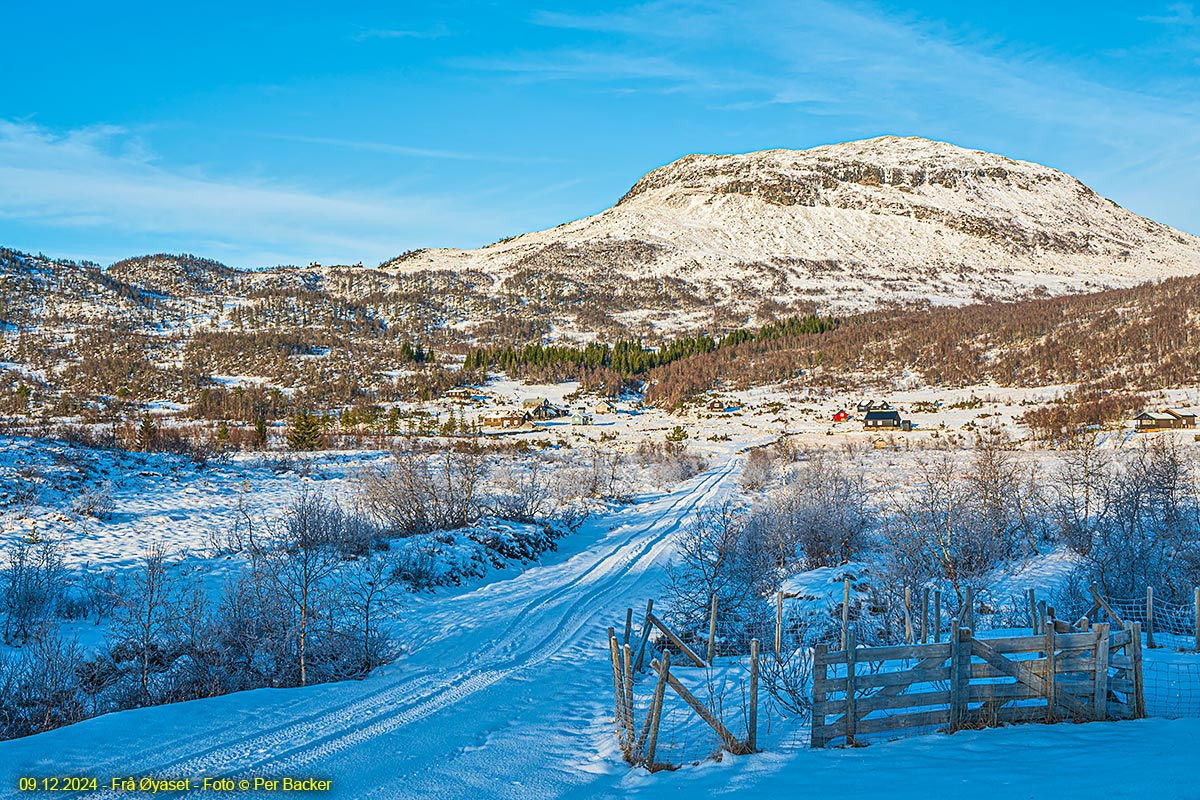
167, 753
328, 730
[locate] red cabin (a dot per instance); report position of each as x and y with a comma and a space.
841, 416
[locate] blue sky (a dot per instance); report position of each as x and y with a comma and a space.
345, 132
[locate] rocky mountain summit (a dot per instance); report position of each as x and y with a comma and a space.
841, 227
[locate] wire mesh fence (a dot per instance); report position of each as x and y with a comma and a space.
1172, 688
1167, 623
788, 628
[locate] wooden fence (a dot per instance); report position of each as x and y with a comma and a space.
639, 742
968, 682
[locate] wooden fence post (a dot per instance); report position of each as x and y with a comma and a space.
778, 623
628, 624
1033, 614
656, 709
712, 629
645, 636
908, 626
618, 689
1051, 675
629, 699
966, 650
924, 615
820, 676
851, 668
1139, 686
752, 722
1150, 617
1100, 697
937, 616
1196, 606
845, 609
956, 703
1041, 615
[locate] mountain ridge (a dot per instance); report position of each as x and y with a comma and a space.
936, 221
704, 244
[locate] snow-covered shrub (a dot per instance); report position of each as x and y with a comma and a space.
32, 582
40, 689
820, 515
963, 516
521, 491
719, 554
788, 678
96, 502
419, 493
671, 462
758, 470
1135, 521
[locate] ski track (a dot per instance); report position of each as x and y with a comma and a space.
321, 733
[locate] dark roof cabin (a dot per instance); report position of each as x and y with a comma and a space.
882, 419
543, 409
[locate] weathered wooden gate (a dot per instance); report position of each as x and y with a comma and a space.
970, 682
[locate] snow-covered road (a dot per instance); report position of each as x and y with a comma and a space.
503, 693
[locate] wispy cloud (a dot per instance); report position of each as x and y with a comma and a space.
436, 32
867, 69
597, 64
1181, 14
848, 59
390, 148
94, 178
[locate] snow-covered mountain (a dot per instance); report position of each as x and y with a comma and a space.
844, 226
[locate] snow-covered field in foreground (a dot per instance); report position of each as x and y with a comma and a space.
506, 693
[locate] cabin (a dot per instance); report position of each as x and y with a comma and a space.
461, 394
542, 409
841, 416
1167, 419
890, 419
873, 405
716, 406
605, 407
505, 420
581, 419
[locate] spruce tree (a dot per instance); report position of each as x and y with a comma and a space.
260, 432
305, 433
147, 433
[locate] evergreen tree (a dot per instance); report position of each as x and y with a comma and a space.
677, 434
306, 432
222, 435
260, 432
147, 434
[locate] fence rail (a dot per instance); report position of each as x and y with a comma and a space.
970, 682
